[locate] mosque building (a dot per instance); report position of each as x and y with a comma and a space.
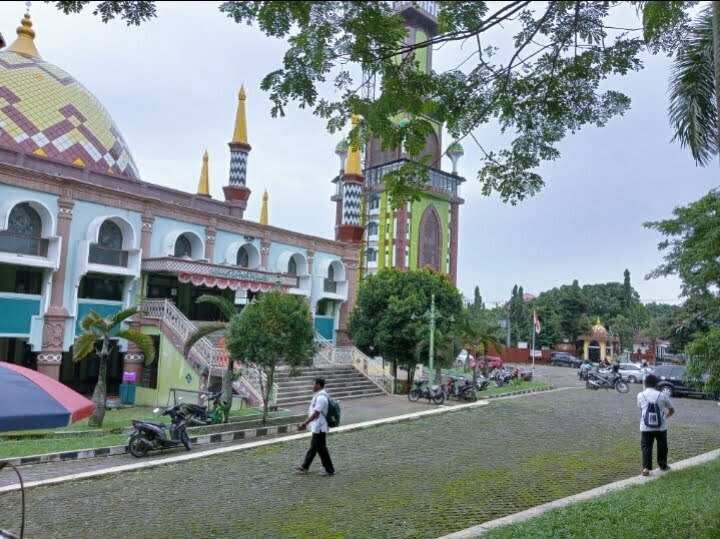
82, 230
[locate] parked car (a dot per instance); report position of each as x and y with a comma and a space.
633, 373
564, 358
671, 383
494, 362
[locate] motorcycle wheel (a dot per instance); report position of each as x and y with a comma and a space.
136, 447
622, 387
185, 439
414, 395
588, 385
439, 398
471, 396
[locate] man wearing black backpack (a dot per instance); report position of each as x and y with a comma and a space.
656, 408
317, 423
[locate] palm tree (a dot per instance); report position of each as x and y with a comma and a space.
695, 88
99, 330
478, 335
445, 348
227, 310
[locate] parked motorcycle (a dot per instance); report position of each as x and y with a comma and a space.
459, 388
482, 383
150, 435
525, 375
611, 380
198, 414
500, 377
431, 393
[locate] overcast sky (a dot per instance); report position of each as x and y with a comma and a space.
171, 86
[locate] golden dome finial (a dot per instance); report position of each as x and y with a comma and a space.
204, 183
353, 159
240, 133
25, 41
264, 210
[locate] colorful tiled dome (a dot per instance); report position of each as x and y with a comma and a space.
46, 112
598, 331
456, 149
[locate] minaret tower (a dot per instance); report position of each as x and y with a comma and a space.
349, 229
204, 183
236, 192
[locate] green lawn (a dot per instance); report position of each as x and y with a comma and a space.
115, 423
682, 505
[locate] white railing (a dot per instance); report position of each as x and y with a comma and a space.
323, 354
372, 368
203, 350
166, 311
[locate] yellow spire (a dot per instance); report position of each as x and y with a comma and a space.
240, 134
353, 159
264, 210
204, 184
25, 42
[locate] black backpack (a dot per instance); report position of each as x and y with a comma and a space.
652, 417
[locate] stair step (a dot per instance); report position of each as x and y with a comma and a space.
341, 397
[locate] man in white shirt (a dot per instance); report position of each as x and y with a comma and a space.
316, 422
657, 430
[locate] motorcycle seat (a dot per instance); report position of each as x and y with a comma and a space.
157, 424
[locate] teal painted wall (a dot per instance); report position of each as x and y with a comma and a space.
325, 326
223, 239
163, 226
103, 309
277, 249
16, 314
83, 214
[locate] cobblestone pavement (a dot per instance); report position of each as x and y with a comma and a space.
416, 479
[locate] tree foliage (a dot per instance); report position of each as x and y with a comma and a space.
704, 359
99, 331
384, 309
277, 330
553, 79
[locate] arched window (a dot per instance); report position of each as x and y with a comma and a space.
292, 266
183, 247
371, 255
331, 274
243, 258
430, 241
372, 228
374, 202
108, 249
110, 236
24, 232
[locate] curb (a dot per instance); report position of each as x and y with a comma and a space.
523, 392
115, 450
234, 448
477, 531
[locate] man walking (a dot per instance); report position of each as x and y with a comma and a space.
316, 422
656, 408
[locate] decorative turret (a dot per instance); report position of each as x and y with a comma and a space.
455, 152
236, 192
341, 150
25, 42
264, 210
350, 230
204, 183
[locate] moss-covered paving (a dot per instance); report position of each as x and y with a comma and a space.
417, 479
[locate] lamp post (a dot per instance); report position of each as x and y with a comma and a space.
432, 315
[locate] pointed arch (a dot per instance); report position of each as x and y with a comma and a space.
430, 240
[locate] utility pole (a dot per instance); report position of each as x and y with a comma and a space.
432, 315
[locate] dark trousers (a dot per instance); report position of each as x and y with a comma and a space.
319, 445
646, 446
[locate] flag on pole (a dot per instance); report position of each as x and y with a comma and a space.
536, 322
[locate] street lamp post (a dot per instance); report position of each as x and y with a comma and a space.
432, 315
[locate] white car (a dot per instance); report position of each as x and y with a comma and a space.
633, 373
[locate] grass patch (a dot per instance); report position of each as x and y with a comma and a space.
684, 503
24, 448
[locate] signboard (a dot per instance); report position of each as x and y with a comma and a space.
536, 353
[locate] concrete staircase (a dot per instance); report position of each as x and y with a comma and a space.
341, 382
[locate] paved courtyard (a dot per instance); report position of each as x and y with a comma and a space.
419, 479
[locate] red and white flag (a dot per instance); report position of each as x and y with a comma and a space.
536, 322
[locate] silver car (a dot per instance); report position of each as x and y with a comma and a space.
633, 373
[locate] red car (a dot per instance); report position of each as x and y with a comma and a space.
495, 362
